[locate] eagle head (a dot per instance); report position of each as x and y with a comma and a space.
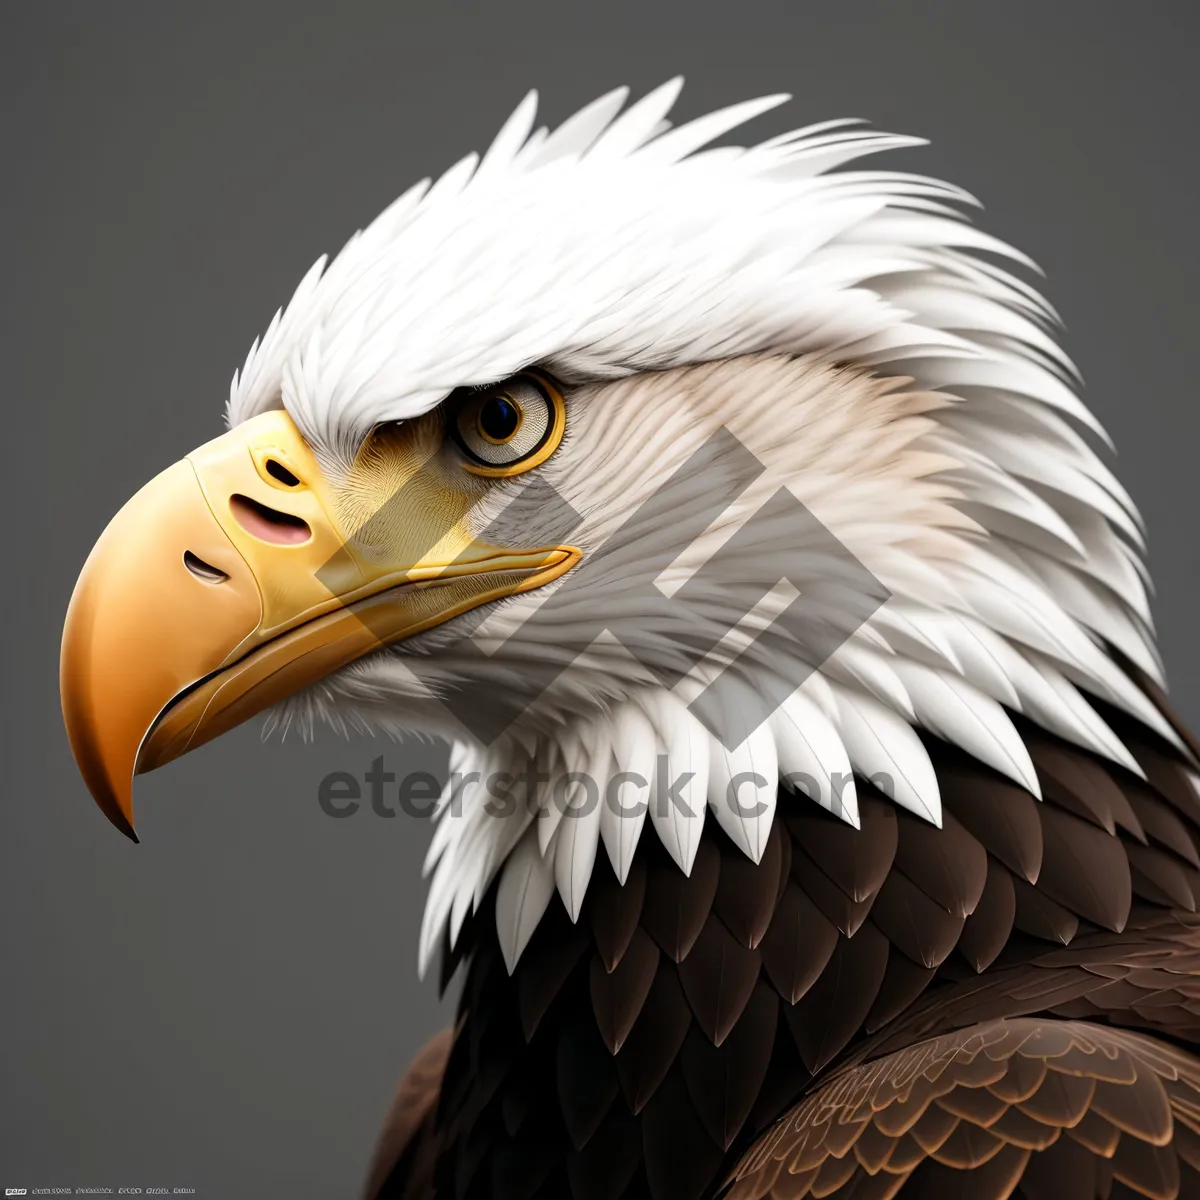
663, 480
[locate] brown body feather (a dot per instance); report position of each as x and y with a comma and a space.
1003, 1007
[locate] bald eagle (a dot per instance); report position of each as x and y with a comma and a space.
736, 507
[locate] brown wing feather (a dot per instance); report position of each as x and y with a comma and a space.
402, 1165
1035, 1108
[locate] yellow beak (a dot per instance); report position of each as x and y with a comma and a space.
228, 583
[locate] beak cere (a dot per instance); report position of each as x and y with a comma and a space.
227, 584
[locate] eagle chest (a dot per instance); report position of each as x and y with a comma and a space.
641, 1050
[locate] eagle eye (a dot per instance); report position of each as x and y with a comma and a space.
509, 427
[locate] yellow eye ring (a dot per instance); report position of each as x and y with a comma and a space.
539, 389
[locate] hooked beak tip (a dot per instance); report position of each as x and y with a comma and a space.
116, 807
125, 827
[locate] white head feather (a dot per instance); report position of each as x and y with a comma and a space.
843, 325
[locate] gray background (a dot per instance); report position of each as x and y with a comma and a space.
229, 1005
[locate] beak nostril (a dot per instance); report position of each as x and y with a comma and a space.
279, 472
203, 571
269, 524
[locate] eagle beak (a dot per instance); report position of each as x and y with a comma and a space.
228, 583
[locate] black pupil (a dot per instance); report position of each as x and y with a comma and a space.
499, 418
